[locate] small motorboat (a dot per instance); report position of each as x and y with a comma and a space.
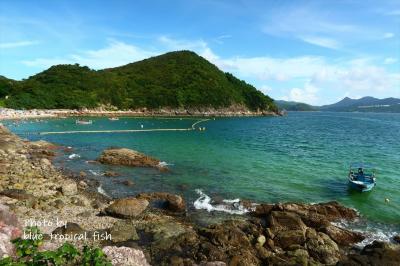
83, 122
362, 177
113, 118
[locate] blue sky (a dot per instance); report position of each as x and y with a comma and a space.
311, 51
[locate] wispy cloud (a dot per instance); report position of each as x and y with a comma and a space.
321, 41
316, 26
309, 26
115, 54
221, 39
9, 45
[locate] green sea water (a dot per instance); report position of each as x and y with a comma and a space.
301, 157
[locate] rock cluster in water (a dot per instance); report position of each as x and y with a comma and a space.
127, 157
153, 228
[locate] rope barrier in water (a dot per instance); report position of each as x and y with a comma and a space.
124, 130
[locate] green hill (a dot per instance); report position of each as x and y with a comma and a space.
177, 80
294, 106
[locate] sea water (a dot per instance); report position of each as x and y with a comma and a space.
301, 157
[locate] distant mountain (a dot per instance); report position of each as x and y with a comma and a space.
365, 104
179, 79
294, 106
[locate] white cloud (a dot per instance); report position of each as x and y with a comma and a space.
115, 54
388, 35
8, 45
308, 94
271, 68
265, 89
390, 60
321, 41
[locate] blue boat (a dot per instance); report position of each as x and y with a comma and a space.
362, 177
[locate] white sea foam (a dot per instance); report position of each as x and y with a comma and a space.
101, 191
163, 164
204, 202
371, 231
74, 156
376, 234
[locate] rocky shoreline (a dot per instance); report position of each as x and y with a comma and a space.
153, 228
6, 113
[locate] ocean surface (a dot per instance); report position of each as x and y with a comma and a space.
301, 157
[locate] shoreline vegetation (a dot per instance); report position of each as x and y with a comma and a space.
7, 113
140, 231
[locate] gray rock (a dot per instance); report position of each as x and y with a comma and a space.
123, 231
69, 229
69, 188
59, 204
124, 256
323, 248
129, 158
127, 207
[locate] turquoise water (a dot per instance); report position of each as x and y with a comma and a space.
300, 157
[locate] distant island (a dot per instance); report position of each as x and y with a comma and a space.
173, 80
365, 104
294, 106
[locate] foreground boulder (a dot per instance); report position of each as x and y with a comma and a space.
377, 253
313, 215
127, 207
168, 201
124, 256
10, 228
321, 247
342, 236
129, 157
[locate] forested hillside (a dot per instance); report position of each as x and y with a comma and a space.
177, 80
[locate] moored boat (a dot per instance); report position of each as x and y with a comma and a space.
83, 122
113, 118
362, 177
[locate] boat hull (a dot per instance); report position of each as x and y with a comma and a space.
363, 187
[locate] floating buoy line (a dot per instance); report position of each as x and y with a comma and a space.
193, 127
